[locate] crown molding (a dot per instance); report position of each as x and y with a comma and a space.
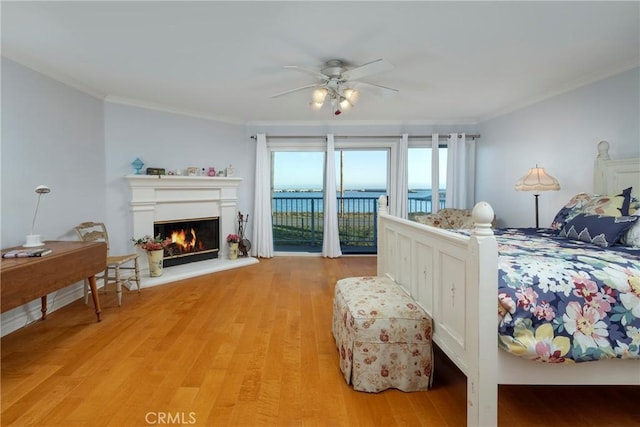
40, 68
167, 109
585, 81
336, 124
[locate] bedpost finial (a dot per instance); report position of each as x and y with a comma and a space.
482, 215
382, 204
603, 150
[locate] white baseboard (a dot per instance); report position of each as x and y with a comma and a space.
24, 315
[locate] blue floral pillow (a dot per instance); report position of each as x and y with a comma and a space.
571, 209
583, 203
600, 230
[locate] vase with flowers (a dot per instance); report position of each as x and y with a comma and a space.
233, 240
154, 246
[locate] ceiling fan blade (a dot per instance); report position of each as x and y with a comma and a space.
383, 91
286, 92
316, 74
373, 67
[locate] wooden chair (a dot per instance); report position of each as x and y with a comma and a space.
120, 268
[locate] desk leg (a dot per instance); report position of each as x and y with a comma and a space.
43, 307
94, 296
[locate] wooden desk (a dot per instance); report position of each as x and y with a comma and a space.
24, 279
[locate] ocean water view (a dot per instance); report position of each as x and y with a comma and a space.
353, 201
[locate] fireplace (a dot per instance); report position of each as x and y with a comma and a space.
193, 239
161, 199
164, 198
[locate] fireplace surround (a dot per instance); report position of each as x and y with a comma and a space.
160, 198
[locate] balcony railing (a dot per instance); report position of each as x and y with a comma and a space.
298, 222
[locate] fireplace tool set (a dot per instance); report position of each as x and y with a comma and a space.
245, 244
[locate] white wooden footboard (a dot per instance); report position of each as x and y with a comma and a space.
454, 278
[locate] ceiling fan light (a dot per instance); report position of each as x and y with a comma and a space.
345, 104
319, 95
316, 105
352, 95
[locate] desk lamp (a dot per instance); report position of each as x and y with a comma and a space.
33, 240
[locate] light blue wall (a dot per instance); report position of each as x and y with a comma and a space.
52, 135
560, 134
170, 141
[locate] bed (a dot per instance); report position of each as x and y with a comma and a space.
455, 278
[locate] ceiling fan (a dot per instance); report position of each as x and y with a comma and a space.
340, 85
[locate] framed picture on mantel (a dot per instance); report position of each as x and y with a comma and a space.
155, 171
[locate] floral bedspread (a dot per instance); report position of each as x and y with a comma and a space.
562, 301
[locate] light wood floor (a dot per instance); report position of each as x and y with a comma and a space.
244, 347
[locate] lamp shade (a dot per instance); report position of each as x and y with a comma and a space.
537, 180
42, 189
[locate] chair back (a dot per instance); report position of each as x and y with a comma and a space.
93, 232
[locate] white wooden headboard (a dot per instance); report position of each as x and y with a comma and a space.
612, 176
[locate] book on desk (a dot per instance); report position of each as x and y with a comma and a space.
27, 253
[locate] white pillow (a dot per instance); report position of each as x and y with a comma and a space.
632, 236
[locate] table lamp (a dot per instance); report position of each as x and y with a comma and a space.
537, 180
33, 240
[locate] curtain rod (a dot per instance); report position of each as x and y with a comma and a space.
364, 136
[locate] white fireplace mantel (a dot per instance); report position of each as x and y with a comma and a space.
167, 198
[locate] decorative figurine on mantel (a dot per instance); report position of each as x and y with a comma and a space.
137, 165
245, 244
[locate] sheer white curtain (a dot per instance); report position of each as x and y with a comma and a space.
461, 172
399, 195
435, 172
331, 239
262, 230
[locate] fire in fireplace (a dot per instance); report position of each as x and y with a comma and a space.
193, 239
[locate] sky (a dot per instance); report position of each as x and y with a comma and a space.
363, 169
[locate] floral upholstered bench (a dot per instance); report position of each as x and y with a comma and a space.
449, 218
382, 335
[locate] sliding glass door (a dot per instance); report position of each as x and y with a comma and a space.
361, 178
297, 202
298, 193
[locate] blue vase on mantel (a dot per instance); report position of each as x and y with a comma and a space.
137, 165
